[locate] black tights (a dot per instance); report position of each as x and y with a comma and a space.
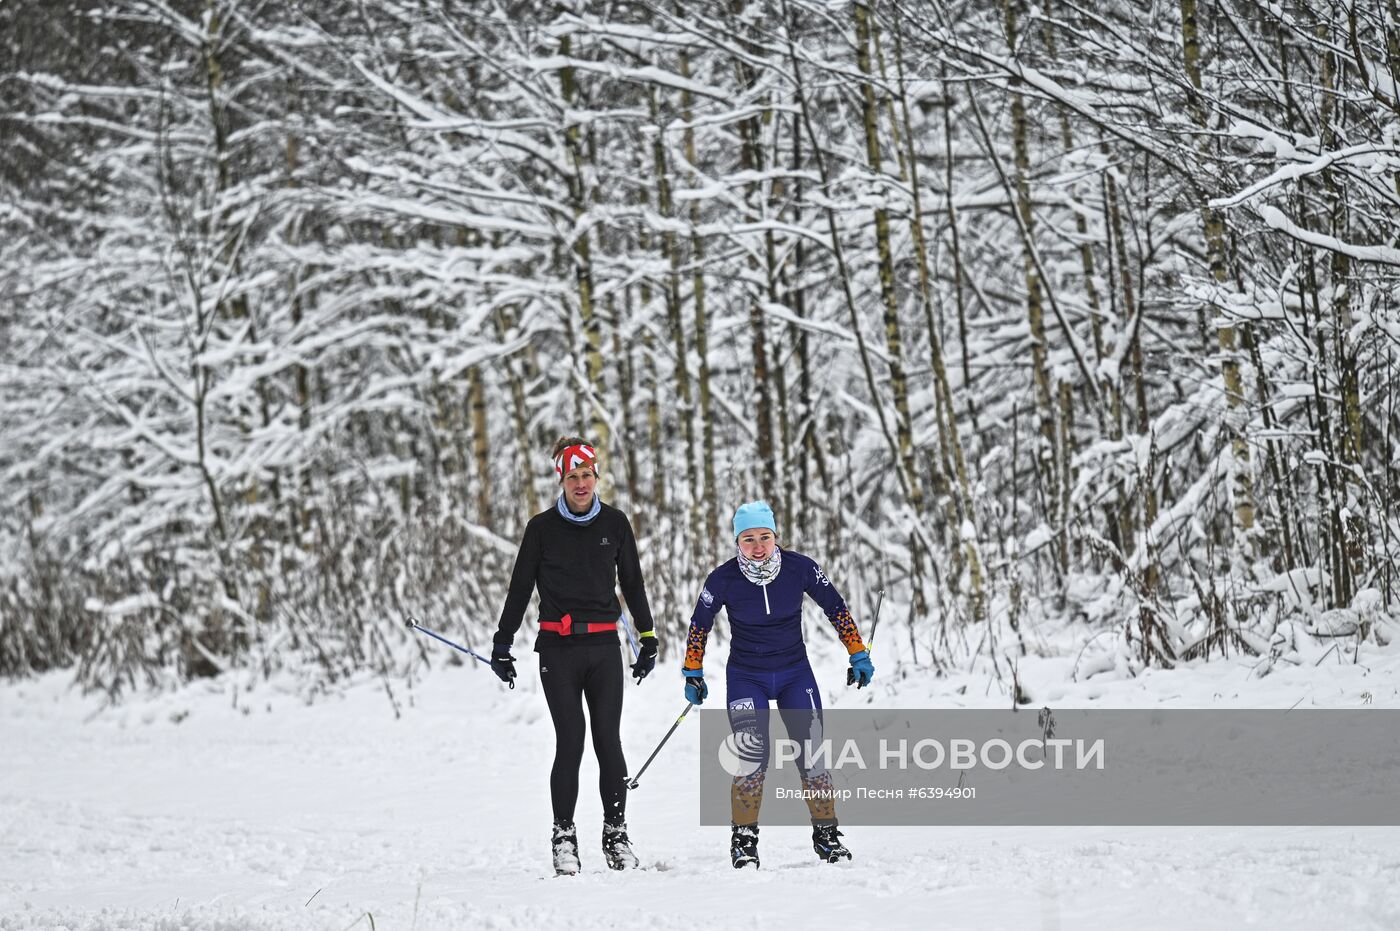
593, 672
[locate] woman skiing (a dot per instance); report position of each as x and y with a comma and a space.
575, 553
762, 589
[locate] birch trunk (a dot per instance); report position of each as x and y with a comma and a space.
894, 341
1241, 477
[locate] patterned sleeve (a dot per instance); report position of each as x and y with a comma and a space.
695, 646
826, 595
701, 621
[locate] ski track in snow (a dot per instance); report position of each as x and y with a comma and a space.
187, 811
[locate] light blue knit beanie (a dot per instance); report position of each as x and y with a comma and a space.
754, 514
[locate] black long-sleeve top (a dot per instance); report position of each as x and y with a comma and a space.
577, 569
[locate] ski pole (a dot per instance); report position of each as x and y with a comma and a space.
633, 782
413, 624
870, 644
631, 637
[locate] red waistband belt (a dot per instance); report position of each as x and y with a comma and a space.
565, 626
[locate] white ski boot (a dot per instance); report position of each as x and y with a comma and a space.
565, 849
617, 849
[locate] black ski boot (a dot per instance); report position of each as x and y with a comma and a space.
617, 849
565, 849
743, 846
826, 841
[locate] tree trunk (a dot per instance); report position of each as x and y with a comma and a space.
962, 514
1241, 477
670, 251
752, 161
894, 342
1343, 350
702, 337
1047, 457
582, 253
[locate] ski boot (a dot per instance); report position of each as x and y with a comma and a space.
743, 846
826, 841
617, 849
565, 849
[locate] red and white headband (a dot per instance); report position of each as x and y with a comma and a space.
571, 457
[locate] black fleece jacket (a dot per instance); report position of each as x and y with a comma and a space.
577, 569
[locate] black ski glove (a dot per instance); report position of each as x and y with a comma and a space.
646, 659
503, 664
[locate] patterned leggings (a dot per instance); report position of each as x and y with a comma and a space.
800, 704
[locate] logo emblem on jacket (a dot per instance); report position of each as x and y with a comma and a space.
821, 576
706, 597
605, 542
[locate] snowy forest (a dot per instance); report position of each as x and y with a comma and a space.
1066, 325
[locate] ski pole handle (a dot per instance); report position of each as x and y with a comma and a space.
870, 645
633, 782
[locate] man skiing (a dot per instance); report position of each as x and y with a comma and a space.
575, 553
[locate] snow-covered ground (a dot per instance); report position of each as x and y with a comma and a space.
211, 810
